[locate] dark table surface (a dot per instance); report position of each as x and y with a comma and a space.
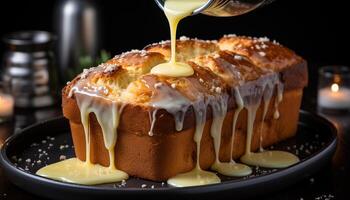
331, 182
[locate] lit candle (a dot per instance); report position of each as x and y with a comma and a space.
334, 97
6, 105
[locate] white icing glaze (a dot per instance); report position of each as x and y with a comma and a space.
268, 93
240, 106
152, 119
75, 171
197, 176
229, 69
107, 117
173, 69
248, 96
261, 131
219, 110
200, 111
279, 99
168, 98
269, 159
232, 168
175, 11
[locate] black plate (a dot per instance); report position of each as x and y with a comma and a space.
44, 143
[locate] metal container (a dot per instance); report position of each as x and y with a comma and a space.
225, 8
28, 69
77, 28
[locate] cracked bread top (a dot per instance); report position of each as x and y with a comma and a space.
219, 66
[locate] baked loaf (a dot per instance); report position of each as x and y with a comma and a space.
155, 131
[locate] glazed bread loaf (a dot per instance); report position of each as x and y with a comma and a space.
159, 116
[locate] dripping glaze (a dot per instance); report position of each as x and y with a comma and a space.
264, 158
247, 97
175, 11
85, 172
169, 99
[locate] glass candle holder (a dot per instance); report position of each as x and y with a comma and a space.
334, 88
6, 104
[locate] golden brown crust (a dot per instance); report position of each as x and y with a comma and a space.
261, 51
271, 55
186, 48
219, 67
162, 156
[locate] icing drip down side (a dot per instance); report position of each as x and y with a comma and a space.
75, 171
168, 98
269, 159
248, 96
248, 92
219, 107
175, 11
197, 176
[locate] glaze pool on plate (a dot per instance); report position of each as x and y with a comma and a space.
48, 142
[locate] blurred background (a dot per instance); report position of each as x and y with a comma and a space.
316, 30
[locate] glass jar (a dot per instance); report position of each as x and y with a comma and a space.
78, 29
225, 8
28, 69
334, 88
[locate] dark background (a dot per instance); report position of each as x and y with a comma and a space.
318, 30
315, 29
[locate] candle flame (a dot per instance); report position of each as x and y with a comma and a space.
335, 87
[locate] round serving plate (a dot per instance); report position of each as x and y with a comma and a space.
48, 142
